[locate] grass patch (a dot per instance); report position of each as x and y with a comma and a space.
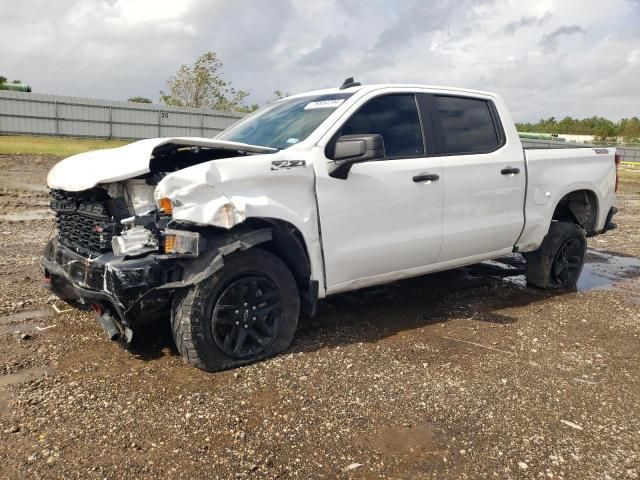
56, 146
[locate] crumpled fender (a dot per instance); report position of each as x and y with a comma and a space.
205, 194
225, 192
201, 204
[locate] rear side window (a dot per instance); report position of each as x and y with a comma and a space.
395, 117
468, 125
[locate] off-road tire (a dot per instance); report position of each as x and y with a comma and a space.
191, 317
542, 264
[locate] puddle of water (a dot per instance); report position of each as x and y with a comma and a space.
517, 280
41, 214
501, 263
20, 327
603, 269
17, 317
25, 376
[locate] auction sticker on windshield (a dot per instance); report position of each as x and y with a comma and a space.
335, 103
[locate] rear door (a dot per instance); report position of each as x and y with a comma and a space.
386, 216
484, 177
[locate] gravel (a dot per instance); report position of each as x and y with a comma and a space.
462, 374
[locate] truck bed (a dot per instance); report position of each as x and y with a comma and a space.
552, 173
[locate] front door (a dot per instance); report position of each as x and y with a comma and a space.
386, 216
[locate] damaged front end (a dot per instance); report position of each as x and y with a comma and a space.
120, 249
111, 253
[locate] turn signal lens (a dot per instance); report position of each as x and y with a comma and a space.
169, 243
182, 242
166, 206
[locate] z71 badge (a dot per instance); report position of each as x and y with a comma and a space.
287, 164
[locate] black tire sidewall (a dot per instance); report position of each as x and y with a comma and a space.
542, 261
202, 298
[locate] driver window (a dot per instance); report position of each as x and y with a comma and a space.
395, 118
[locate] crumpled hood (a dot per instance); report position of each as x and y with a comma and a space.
86, 170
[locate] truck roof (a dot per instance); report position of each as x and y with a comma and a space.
378, 86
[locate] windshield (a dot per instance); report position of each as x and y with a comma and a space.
284, 123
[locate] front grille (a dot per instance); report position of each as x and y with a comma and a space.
85, 223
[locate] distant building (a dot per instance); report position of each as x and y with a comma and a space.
569, 137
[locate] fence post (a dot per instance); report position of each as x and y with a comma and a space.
159, 122
110, 123
55, 114
202, 124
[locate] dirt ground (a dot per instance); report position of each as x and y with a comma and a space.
463, 374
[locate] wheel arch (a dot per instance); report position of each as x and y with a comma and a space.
579, 206
279, 237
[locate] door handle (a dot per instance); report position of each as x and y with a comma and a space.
509, 170
426, 177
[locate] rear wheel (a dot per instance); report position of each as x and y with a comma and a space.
559, 260
245, 312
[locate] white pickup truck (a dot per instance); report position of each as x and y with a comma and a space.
314, 194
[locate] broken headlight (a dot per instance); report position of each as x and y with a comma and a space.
182, 242
134, 241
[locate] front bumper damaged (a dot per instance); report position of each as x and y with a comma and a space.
126, 291
126, 286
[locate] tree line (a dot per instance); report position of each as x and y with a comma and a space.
603, 129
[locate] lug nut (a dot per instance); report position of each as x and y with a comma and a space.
254, 307
246, 326
237, 312
237, 323
254, 319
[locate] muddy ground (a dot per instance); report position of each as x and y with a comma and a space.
463, 374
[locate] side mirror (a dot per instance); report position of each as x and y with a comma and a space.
350, 149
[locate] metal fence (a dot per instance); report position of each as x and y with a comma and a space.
42, 114
629, 153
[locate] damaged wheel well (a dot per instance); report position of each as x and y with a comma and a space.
288, 244
273, 235
579, 207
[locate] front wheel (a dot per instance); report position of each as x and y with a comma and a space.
559, 260
245, 312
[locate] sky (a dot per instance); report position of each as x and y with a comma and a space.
546, 58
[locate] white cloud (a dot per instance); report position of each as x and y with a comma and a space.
551, 57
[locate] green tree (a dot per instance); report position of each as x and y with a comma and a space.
139, 100
3, 79
16, 81
603, 132
202, 85
630, 129
279, 95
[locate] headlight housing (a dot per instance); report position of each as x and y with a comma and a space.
134, 241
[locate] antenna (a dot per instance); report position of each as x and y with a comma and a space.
349, 83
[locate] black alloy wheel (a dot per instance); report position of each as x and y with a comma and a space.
244, 320
558, 262
568, 262
246, 311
